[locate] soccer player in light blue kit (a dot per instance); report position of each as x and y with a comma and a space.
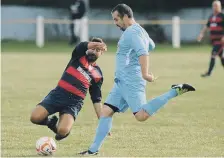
130, 78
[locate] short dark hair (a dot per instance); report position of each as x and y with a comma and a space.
123, 9
96, 39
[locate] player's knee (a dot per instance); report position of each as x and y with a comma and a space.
141, 116
107, 111
38, 114
35, 118
63, 131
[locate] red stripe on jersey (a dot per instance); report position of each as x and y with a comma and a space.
70, 88
96, 75
84, 62
216, 36
75, 73
217, 28
216, 43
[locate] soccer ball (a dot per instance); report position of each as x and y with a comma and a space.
45, 146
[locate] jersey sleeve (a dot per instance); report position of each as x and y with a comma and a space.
140, 46
95, 91
80, 50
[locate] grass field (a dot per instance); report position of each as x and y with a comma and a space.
190, 125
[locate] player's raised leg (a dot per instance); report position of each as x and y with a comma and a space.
155, 104
39, 116
64, 126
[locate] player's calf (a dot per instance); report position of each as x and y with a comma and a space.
62, 132
64, 126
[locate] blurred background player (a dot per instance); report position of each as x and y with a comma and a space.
131, 74
216, 26
80, 74
77, 11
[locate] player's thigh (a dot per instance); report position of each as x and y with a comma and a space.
115, 100
50, 103
66, 121
39, 113
135, 98
46, 107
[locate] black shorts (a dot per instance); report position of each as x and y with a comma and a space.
59, 100
217, 50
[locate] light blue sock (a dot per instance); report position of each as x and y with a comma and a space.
155, 104
104, 127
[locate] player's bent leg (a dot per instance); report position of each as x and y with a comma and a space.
39, 115
157, 103
64, 126
141, 115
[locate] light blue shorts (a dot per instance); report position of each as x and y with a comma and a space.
123, 96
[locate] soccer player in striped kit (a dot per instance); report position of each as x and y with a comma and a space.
216, 26
81, 74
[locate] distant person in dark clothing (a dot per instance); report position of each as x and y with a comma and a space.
77, 11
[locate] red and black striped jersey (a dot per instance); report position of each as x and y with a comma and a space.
216, 25
80, 75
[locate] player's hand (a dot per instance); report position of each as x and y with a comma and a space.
102, 47
151, 78
200, 37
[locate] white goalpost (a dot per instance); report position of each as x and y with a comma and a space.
40, 31
82, 30
176, 32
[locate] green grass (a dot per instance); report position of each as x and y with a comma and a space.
190, 125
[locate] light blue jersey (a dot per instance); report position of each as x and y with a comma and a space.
133, 43
129, 86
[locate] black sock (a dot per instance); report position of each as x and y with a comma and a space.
44, 122
211, 65
222, 61
60, 137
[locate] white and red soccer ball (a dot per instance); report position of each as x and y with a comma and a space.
45, 146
